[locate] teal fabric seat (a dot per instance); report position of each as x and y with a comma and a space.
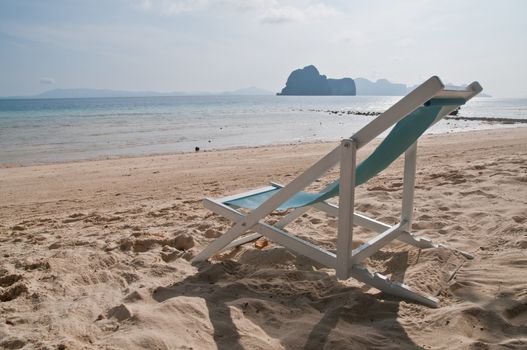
400, 138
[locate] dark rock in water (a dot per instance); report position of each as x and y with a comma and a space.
196, 149
309, 82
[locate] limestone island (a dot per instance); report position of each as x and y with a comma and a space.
309, 82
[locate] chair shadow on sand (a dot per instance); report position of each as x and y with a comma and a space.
257, 291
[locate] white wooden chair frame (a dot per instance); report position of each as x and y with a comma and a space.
346, 261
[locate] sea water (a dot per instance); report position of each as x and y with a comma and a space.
48, 130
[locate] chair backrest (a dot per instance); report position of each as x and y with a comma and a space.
412, 116
405, 133
431, 89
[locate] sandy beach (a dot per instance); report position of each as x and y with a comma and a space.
95, 254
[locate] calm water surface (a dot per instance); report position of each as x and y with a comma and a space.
46, 130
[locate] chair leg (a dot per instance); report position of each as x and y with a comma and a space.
383, 284
423, 243
217, 245
346, 204
240, 241
410, 157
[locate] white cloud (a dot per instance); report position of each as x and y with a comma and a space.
170, 7
356, 38
282, 14
320, 10
406, 42
47, 81
144, 4
173, 7
268, 11
245, 5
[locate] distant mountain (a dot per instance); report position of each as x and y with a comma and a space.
381, 87
82, 93
342, 87
306, 81
309, 82
97, 93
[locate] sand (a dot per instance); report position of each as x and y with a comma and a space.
94, 254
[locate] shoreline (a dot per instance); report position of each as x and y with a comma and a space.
317, 142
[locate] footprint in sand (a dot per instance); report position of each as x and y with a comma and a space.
478, 193
315, 221
422, 225
212, 233
140, 243
519, 219
12, 288
382, 188
73, 218
517, 314
12, 343
155, 214
30, 265
9, 280
18, 228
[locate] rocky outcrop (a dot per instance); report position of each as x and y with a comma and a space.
344, 86
381, 87
309, 82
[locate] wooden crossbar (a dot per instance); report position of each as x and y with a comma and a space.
275, 234
375, 244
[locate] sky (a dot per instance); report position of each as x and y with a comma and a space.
219, 45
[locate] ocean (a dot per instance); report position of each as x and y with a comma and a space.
50, 130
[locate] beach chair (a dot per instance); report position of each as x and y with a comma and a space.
412, 116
